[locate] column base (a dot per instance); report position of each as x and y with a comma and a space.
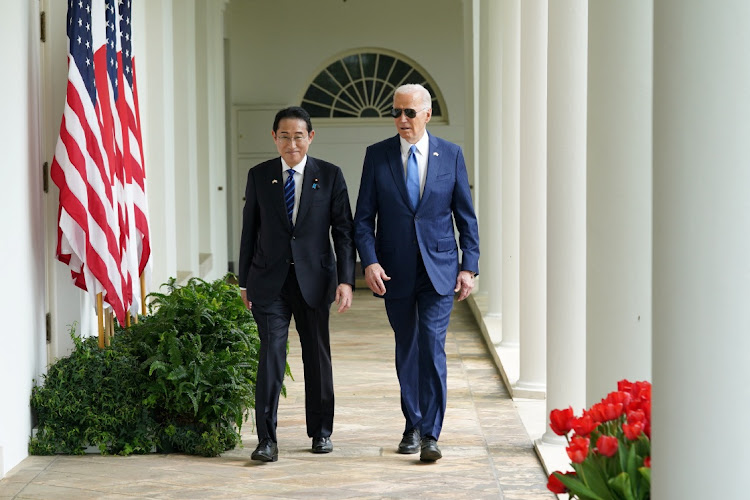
529, 390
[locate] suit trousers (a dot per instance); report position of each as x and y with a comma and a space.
273, 328
420, 323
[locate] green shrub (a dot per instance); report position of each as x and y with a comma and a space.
181, 379
199, 349
92, 398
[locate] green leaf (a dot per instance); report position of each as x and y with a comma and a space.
621, 484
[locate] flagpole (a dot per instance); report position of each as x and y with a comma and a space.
100, 319
143, 296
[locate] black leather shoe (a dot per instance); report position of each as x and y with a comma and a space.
430, 451
266, 451
409, 443
322, 445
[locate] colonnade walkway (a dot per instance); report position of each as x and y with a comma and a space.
486, 451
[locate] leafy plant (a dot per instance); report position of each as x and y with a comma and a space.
91, 398
618, 466
181, 379
199, 350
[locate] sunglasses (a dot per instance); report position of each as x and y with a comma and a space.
410, 113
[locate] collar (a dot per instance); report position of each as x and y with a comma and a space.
299, 168
423, 145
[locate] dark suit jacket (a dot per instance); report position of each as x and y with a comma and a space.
401, 232
269, 245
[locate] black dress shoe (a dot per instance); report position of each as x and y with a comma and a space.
409, 443
430, 451
322, 445
266, 451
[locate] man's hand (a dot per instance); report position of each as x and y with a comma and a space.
248, 304
374, 277
464, 284
344, 296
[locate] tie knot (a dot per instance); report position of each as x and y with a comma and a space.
413, 149
291, 172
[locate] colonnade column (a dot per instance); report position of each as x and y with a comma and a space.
155, 72
185, 127
511, 74
618, 287
566, 204
533, 181
491, 95
701, 249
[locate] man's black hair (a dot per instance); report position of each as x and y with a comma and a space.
293, 112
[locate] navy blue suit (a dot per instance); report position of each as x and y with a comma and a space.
418, 251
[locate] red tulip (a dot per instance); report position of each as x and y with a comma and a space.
561, 421
618, 397
647, 462
636, 416
607, 445
555, 485
578, 449
624, 385
584, 425
632, 431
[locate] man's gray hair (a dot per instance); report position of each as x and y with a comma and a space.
411, 88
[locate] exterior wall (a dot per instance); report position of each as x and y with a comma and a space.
276, 48
22, 298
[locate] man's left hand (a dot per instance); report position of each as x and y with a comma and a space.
344, 296
464, 284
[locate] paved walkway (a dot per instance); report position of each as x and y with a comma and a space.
486, 451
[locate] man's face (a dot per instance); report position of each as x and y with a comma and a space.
411, 129
292, 140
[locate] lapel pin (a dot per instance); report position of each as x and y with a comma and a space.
435, 154
315, 184
274, 181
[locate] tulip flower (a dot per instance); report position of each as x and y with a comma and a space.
578, 449
607, 445
561, 421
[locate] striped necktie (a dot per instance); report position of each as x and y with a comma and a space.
289, 195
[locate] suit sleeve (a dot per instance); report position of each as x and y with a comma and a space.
466, 219
365, 214
249, 231
342, 230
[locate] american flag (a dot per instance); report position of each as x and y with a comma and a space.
89, 167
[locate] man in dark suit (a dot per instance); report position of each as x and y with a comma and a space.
294, 206
414, 186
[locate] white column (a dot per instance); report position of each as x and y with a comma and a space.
511, 32
618, 312
185, 126
566, 204
533, 217
155, 73
203, 107
701, 328
491, 97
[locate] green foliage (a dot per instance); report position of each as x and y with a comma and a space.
92, 398
199, 349
181, 379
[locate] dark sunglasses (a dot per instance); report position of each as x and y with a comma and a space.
410, 113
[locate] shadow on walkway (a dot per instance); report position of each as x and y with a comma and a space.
486, 451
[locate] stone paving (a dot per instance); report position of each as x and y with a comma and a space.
486, 451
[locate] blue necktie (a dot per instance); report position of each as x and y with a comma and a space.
412, 177
289, 195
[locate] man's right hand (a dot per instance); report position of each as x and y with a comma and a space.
248, 304
374, 277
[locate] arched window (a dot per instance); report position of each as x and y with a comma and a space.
360, 85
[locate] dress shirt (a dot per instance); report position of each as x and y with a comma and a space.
423, 148
299, 171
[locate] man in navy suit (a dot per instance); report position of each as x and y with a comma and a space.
414, 186
294, 205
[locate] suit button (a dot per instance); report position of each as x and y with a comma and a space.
294, 237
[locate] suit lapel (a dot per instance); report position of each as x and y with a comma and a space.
434, 164
274, 182
312, 175
397, 168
